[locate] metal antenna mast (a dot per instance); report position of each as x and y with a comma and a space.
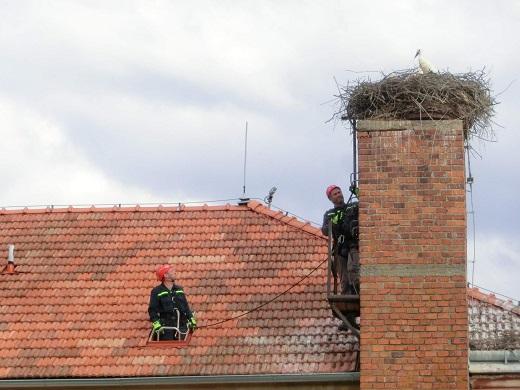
469, 181
245, 164
354, 151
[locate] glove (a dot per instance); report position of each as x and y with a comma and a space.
156, 326
192, 323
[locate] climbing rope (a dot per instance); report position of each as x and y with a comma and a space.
265, 303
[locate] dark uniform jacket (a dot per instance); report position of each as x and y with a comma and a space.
345, 222
163, 303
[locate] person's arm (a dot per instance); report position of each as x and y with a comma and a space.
153, 311
184, 307
182, 302
325, 225
351, 223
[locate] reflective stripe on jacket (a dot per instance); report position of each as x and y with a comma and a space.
163, 303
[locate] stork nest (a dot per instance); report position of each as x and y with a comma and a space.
410, 95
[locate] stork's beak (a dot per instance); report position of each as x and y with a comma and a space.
418, 52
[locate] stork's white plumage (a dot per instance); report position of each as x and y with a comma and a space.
424, 65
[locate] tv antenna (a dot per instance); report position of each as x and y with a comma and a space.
269, 198
245, 165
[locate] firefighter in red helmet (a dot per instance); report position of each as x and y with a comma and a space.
165, 300
344, 219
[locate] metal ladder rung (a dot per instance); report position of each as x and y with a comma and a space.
343, 298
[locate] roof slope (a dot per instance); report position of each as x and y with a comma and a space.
493, 323
77, 306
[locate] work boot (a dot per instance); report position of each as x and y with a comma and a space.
352, 319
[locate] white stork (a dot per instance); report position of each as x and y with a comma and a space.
425, 66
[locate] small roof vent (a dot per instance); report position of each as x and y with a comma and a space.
10, 259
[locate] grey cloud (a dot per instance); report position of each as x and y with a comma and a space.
154, 96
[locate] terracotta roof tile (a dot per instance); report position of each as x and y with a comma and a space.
77, 305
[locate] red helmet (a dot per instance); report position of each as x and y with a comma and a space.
162, 270
330, 189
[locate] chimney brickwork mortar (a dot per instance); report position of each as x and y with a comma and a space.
414, 325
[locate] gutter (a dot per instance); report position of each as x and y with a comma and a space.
180, 380
494, 362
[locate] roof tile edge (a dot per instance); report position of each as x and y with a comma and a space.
475, 293
116, 208
289, 220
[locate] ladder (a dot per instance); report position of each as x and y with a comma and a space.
179, 334
344, 307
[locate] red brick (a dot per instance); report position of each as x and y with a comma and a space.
412, 211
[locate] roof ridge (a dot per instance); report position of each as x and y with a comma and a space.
476, 293
283, 217
118, 208
253, 205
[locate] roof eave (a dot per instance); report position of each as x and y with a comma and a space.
494, 362
493, 368
180, 380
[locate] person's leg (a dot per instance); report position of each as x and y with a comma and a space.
342, 270
184, 329
353, 271
167, 334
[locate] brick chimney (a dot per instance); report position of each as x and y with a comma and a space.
414, 326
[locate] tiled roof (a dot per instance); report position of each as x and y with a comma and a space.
494, 323
77, 306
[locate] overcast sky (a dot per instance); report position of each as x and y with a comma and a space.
146, 101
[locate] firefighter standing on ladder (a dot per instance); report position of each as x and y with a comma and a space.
164, 300
344, 220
